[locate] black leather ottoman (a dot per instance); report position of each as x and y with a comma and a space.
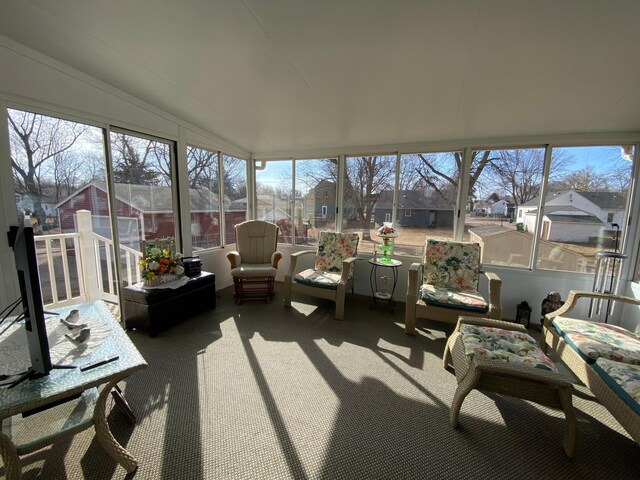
158, 308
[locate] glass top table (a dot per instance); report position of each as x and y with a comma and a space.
87, 391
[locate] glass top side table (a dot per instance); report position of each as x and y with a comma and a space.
383, 288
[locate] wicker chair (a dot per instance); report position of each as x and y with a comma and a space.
332, 274
255, 262
445, 285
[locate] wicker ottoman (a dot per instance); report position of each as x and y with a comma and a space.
521, 369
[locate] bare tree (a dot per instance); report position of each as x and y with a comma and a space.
140, 161
35, 140
586, 179
234, 177
202, 166
441, 171
365, 178
518, 173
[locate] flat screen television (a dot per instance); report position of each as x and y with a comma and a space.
24, 249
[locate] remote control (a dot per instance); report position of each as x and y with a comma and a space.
98, 363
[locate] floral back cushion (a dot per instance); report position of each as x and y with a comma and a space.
451, 264
333, 248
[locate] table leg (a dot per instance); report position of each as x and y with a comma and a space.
373, 281
10, 458
104, 435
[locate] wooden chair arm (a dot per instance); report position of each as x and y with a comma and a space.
414, 279
275, 259
346, 268
234, 259
494, 290
294, 261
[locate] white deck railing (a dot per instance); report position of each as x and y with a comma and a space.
80, 267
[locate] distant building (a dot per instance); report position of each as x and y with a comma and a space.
24, 204
319, 204
501, 208
415, 208
146, 212
574, 216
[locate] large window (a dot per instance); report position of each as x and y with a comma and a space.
426, 201
274, 202
500, 181
368, 184
315, 198
585, 208
58, 169
142, 169
234, 184
204, 197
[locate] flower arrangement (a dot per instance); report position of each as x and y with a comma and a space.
386, 230
160, 264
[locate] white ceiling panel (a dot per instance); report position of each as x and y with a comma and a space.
304, 74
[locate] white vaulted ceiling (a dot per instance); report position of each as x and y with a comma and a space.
282, 75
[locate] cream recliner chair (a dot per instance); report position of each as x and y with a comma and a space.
255, 262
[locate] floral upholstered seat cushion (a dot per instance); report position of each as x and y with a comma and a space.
317, 278
451, 264
504, 345
592, 340
450, 297
333, 249
622, 378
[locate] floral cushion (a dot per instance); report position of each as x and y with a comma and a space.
333, 249
593, 340
449, 297
622, 378
316, 278
505, 345
452, 264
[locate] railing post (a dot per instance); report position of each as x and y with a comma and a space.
88, 255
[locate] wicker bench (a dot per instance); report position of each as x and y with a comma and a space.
587, 368
489, 367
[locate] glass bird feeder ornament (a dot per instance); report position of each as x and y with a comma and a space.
386, 232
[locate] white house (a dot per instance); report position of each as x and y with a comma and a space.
499, 208
574, 216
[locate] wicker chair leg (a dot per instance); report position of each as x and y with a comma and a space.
10, 458
446, 356
104, 435
571, 423
467, 384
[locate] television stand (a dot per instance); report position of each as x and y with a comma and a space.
33, 375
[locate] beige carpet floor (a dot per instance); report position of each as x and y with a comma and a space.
258, 391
